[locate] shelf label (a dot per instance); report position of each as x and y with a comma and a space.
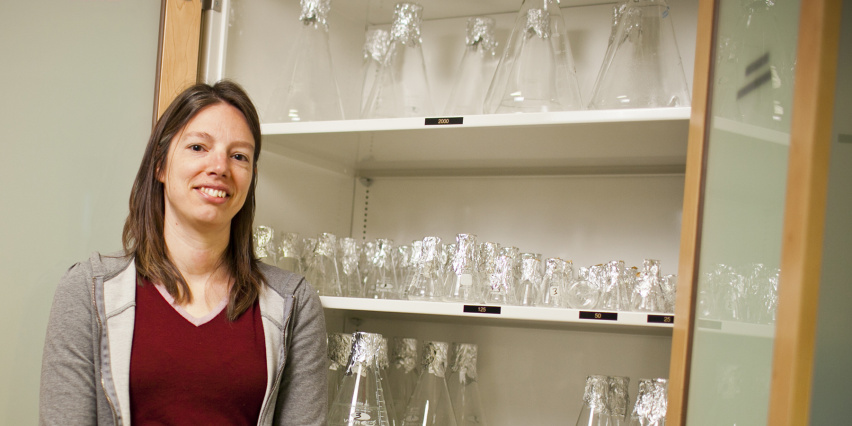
442, 121
477, 309
661, 319
603, 316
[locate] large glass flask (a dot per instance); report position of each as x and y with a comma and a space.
311, 92
361, 396
322, 271
375, 49
536, 71
430, 404
463, 281
402, 89
651, 403
463, 387
642, 66
475, 70
381, 280
339, 347
595, 411
426, 283
402, 373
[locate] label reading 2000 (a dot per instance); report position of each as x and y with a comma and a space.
444, 121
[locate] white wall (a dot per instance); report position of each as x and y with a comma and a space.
77, 101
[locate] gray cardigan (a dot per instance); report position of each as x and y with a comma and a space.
86, 363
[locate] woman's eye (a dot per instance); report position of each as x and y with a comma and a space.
240, 157
196, 148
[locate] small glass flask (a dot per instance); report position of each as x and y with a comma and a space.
612, 298
263, 237
648, 293
650, 406
618, 400
289, 250
322, 271
430, 403
375, 50
552, 283
595, 411
529, 287
381, 280
426, 281
463, 283
368, 250
463, 387
475, 70
361, 398
312, 92
583, 293
486, 260
402, 87
501, 283
339, 346
642, 66
402, 373
350, 275
669, 285
536, 71
447, 253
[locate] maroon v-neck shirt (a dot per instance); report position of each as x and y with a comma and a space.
211, 372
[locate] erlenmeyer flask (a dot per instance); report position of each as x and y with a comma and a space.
475, 70
375, 50
430, 404
536, 71
426, 281
583, 293
650, 406
463, 387
402, 373
552, 284
648, 293
352, 284
360, 399
402, 89
486, 261
612, 298
642, 66
311, 92
595, 411
381, 280
322, 271
530, 283
263, 237
501, 282
339, 347
463, 283
618, 399
289, 249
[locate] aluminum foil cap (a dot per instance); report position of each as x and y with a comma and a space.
480, 32
464, 362
326, 244
339, 347
531, 270
290, 242
315, 12
405, 353
376, 44
365, 351
538, 24
596, 392
435, 358
618, 397
651, 400
262, 238
465, 256
349, 255
406, 23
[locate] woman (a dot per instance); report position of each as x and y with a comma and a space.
186, 326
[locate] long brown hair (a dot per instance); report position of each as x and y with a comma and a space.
143, 230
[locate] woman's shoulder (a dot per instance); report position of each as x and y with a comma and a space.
97, 265
285, 282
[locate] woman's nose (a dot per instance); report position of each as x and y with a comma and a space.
218, 163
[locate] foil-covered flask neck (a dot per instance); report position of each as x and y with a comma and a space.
538, 24
651, 401
435, 358
596, 392
406, 24
326, 245
290, 243
464, 362
349, 255
365, 351
531, 270
315, 12
480, 33
376, 44
263, 236
463, 260
339, 348
618, 397
405, 354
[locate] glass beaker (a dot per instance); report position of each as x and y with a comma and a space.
375, 50
642, 66
536, 71
463, 386
322, 271
530, 283
426, 281
402, 87
595, 411
475, 70
650, 406
339, 347
381, 280
430, 403
463, 283
618, 399
402, 373
361, 395
311, 92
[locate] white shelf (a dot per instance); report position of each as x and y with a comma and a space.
521, 315
631, 141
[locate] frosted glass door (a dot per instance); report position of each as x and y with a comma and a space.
745, 181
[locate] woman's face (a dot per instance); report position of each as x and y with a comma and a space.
208, 169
